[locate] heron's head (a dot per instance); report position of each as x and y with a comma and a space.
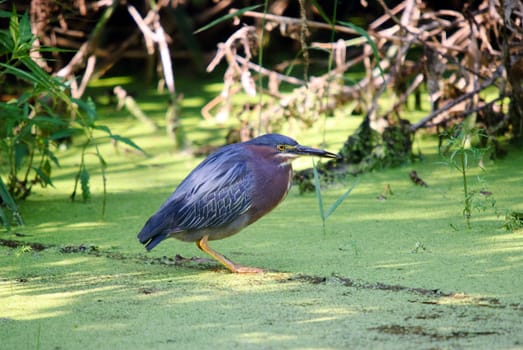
287, 148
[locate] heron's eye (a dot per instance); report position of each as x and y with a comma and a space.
281, 148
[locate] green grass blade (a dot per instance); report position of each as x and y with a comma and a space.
227, 17
371, 42
318, 190
340, 200
321, 12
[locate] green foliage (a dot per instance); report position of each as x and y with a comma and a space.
367, 150
23, 249
460, 151
37, 121
513, 221
7, 200
84, 182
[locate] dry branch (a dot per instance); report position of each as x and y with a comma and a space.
458, 100
458, 57
295, 21
89, 46
456, 54
124, 100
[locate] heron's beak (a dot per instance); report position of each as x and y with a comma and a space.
304, 150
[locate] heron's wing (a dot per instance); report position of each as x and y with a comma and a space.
214, 194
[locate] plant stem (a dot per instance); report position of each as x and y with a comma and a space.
465, 189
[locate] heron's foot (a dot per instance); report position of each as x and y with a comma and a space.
244, 269
231, 266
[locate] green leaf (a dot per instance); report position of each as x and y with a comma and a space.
103, 128
51, 110
227, 17
89, 107
25, 28
49, 83
5, 14
37, 76
453, 160
52, 157
18, 72
127, 141
64, 133
4, 220
9, 202
49, 120
44, 173
6, 196
14, 26
6, 43
318, 190
341, 199
21, 150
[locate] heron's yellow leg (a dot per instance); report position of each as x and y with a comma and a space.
204, 246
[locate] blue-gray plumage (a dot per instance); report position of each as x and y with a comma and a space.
230, 189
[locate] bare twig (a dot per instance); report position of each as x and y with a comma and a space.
268, 72
243, 36
458, 100
158, 36
89, 46
296, 21
88, 73
124, 100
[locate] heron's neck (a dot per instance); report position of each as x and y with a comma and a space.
285, 159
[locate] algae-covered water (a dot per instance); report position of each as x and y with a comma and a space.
393, 271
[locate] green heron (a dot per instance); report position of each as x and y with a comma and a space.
229, 190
